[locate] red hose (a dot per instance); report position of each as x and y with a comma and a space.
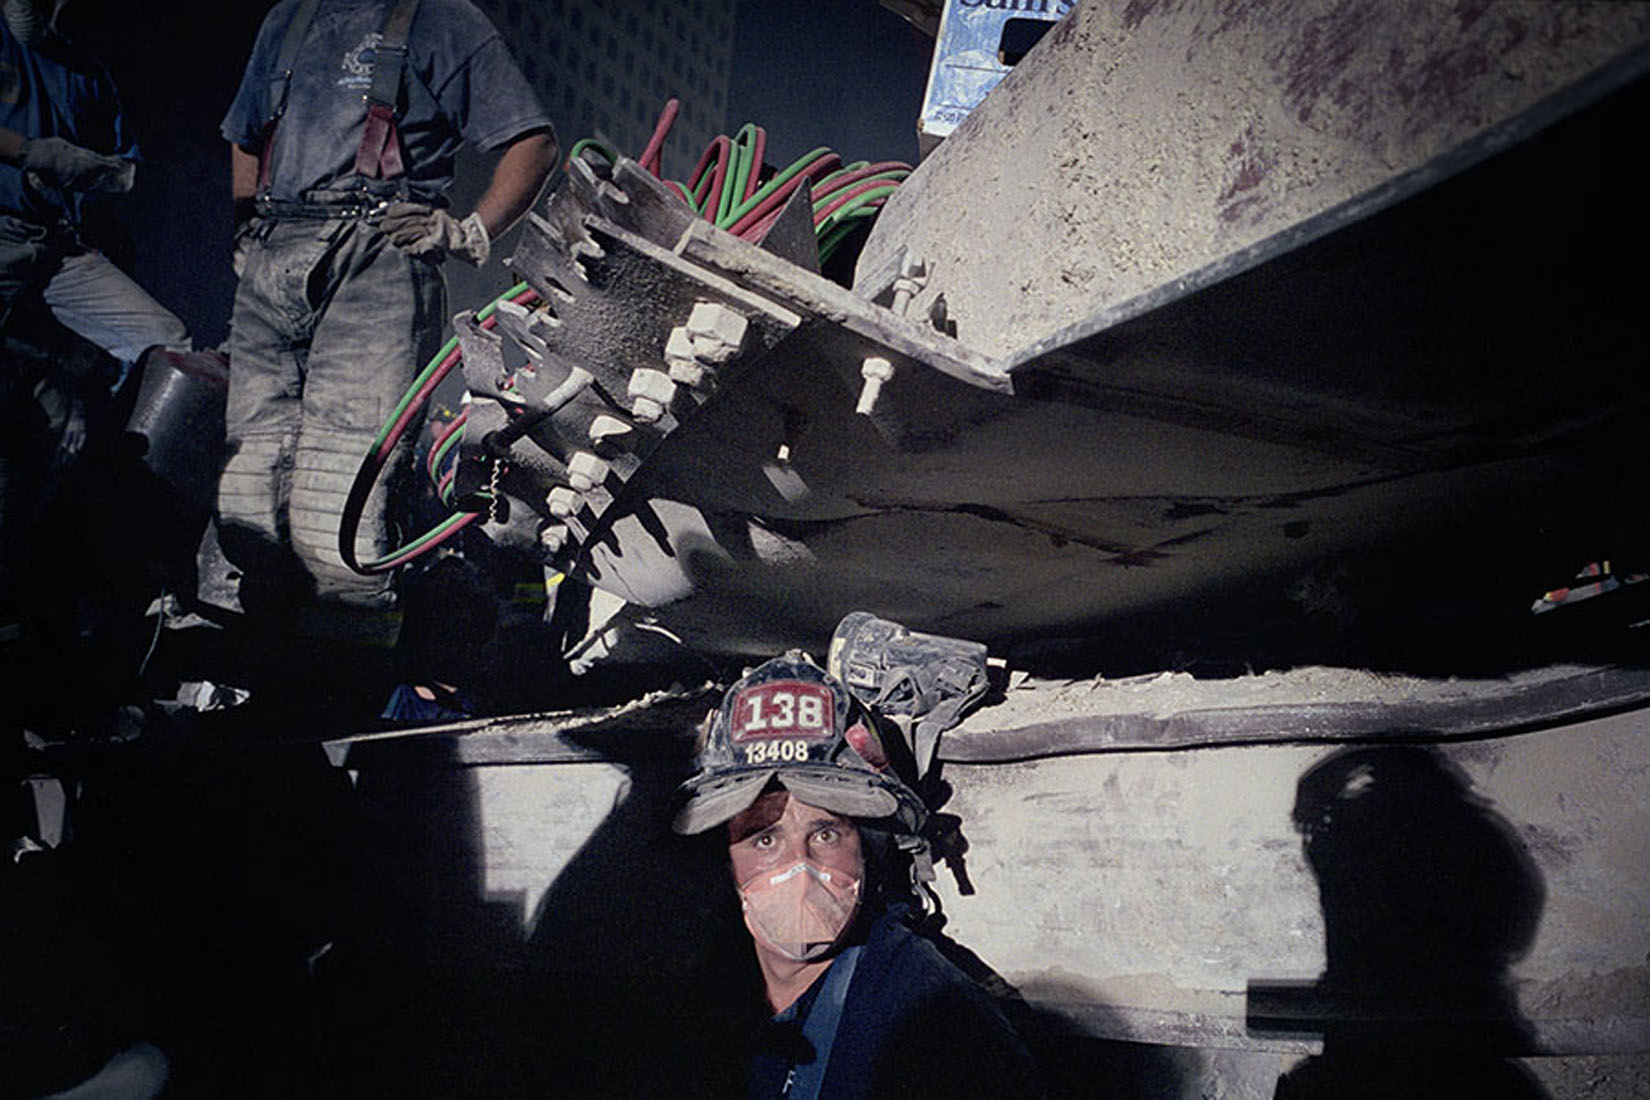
843, 199
440, 439
720, 180
653, 154
760, 229
697, 177
823, 163
858, 174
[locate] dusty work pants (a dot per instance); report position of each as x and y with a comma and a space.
85, 291
88, 295
331, 323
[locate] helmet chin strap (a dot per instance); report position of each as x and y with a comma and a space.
29, 20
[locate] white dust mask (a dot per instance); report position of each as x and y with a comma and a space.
800, 911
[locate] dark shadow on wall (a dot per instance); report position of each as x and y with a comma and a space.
638, 976
343, 942
1078, 1062
620, 985
414, 992
1428, 897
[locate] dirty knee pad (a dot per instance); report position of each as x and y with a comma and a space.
326, 465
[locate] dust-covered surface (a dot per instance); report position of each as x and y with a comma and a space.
1142, 141
1142, 894
1029, 699
1624, 1077
1034, 716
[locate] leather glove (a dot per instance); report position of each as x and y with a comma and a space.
53, 162
422, 230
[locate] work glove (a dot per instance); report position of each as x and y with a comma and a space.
422, 230
53, 162
241, 244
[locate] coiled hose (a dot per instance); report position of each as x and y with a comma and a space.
731, 187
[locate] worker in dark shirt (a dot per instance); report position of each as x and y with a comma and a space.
65, 142
344, 138
64, 145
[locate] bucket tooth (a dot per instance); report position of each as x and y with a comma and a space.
605, 428
680, 361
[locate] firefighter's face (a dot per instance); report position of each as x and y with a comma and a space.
798, 869
778, 831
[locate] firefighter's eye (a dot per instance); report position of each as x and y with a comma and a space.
830, 834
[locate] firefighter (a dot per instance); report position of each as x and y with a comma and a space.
342, 144
824, 846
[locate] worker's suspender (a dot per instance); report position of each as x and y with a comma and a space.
283, 65
380, 152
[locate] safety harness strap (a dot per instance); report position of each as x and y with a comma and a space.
380, 151
379, 154
284, 60
820, 1027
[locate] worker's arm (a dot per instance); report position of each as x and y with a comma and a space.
58, 163
243, 186
243, 174
518, 178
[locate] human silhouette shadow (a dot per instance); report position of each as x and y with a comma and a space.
1428, 897
633, 975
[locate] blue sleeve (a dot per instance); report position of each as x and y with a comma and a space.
103, 124
486, 93
252, 106
126, 145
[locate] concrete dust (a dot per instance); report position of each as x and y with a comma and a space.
1029, 700
1141, 142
